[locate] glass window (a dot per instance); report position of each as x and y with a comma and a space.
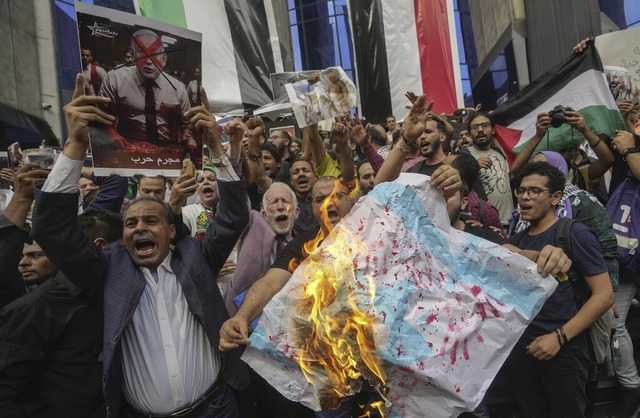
321, 35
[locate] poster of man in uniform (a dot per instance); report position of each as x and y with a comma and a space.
150, 135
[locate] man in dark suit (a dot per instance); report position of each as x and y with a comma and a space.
51, 337
162, 308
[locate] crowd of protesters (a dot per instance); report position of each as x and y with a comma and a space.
141, 305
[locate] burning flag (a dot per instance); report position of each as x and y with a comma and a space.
393, 296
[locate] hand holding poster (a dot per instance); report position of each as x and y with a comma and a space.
323, 95
435, 311
131, 59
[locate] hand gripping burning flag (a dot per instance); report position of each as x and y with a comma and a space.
393, 296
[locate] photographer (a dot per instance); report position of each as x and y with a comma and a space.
576, 121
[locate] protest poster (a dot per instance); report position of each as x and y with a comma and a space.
146, 68
620, 55
442, 309
323, 95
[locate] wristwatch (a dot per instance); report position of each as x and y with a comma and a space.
630, 150
223, 161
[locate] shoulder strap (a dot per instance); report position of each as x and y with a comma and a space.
562, 236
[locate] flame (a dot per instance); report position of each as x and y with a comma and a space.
336, 338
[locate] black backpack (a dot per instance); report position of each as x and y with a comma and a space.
562, 239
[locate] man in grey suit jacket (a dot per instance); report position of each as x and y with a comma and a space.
162, 308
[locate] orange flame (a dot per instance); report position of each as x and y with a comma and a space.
336, 339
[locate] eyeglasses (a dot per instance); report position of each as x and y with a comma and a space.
476, 126
533, 192
339, 196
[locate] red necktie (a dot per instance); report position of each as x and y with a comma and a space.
150, 111
95, 79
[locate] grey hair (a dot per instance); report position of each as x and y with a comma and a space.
294, 199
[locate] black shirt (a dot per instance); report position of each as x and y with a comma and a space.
423, 168
50, 346
305, 220
293, 250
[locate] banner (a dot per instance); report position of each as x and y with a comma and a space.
435, 311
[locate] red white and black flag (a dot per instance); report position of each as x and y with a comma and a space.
405, 45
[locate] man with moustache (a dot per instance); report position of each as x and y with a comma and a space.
162, 307
494, 171
303, 178
259, 245
427, 141
366, 177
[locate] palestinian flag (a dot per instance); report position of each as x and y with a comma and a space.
579, 83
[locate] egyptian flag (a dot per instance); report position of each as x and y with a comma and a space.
241, 46
405, 45
579, 83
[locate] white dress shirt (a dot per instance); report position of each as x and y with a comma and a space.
168, 362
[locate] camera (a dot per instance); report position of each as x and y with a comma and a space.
557, 116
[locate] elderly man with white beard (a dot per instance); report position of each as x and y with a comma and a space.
266, 235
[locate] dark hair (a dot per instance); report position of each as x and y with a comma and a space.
272, 150
101, 223
378, 137
468, 167
464, 189
170, 217
297, 141
361, 163
285, 135
555, 178
295, 160
139, 177
477, 115
442, 127
396, 135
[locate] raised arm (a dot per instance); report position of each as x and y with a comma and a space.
414, 126
12, 232
543, 122
253, 133
604, 154
314, 140
624, 143
360, 135
233, 211
55, 225
340, 133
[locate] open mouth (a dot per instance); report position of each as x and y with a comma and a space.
524, 209
333, 216
282, 220
207, 192
302, 181
144, 247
